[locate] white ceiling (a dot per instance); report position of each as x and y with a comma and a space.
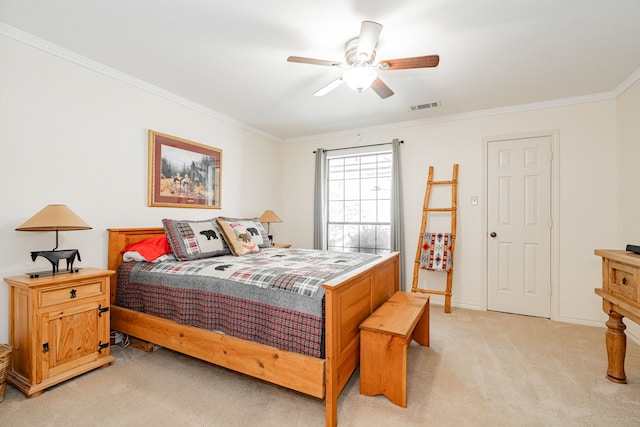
230, 56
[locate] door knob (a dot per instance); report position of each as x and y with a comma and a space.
493, 234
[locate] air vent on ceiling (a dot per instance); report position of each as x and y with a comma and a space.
426, 106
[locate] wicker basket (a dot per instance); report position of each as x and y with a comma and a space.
5, 359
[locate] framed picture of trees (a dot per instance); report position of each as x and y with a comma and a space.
183, 174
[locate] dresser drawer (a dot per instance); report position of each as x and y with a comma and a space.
623, 280
73, 292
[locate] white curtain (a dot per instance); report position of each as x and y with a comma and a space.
319, 203
397, 227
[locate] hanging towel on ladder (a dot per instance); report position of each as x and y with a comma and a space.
436, 252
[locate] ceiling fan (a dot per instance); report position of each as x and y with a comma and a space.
361, 72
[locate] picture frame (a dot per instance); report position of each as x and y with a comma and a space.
183, 173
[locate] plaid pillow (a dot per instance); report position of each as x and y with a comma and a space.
195, 239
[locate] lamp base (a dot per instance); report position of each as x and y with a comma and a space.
36, 274
54, 257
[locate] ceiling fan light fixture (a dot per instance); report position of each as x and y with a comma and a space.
359, 78
362, 71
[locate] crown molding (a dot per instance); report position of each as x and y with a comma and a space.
604, 96
53, 49
81, 60
626, 83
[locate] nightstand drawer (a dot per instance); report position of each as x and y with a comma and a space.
73, 292
623, 280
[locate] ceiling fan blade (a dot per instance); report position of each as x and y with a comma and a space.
406, 63
313, 61
369, 33
329, 87
381, 88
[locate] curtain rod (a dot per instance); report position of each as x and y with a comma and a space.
359, 146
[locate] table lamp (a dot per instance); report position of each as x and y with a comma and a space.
54, 218
269, 217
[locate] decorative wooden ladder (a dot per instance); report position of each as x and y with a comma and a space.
452, 235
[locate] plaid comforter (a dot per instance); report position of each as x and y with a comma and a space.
272, 297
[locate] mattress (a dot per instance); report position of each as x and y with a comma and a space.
273, 297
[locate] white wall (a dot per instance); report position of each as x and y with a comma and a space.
587, 196
628, 178
74, 136
628, 115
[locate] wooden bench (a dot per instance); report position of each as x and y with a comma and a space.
384, 338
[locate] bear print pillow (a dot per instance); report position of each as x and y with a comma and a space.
237, 236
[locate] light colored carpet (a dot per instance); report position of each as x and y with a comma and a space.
482, 369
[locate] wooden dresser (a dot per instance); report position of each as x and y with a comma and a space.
58, 327
620, 298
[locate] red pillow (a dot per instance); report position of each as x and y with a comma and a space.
150, 248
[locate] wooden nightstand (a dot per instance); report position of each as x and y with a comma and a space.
282, 245
58, 327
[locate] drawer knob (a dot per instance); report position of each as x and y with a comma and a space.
72, 293
624, 280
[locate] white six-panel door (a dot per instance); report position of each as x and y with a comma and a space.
519, 226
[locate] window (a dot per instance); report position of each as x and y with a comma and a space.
359, 203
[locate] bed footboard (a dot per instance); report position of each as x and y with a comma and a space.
348, 303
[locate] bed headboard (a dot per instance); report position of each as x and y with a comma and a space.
120, 238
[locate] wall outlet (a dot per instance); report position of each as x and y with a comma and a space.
117, 338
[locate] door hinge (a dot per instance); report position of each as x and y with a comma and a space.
102, 346
102, 310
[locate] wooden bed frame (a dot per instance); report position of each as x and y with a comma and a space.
347, 303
